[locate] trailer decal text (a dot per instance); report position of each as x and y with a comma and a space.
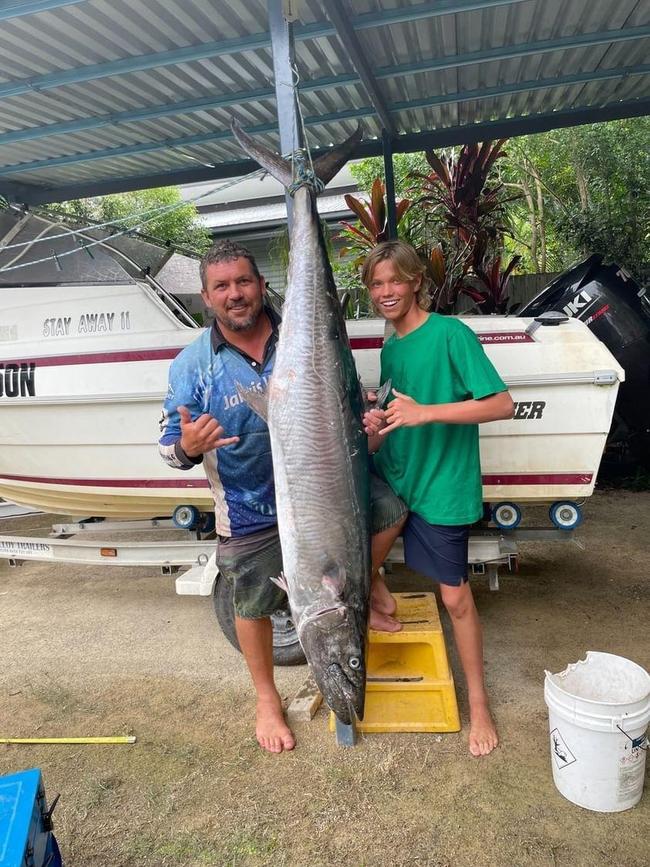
23, 547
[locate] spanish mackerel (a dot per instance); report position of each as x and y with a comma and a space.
314, 406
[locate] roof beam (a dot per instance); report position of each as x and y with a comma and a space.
32, 7
435, 64
190, 53
523, 86
363, 111
509, 128
355, 52
522, 49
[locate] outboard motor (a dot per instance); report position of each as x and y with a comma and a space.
617, 310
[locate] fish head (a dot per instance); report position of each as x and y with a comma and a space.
335, 647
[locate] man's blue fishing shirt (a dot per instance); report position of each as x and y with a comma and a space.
204, 377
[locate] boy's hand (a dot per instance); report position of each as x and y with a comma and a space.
202, 435
402, 412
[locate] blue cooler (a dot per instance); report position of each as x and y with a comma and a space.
26, 838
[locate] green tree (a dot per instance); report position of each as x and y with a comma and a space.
585, 191
177, 224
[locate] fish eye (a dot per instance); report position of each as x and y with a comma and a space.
354, 662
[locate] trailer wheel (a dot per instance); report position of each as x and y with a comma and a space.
565, 515
507, 516
186, 517
286, 647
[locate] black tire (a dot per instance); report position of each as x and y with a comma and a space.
286, 647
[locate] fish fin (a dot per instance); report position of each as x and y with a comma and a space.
281, 582
257, 399
333, 580
276, 165
325, 166
332, 162
383, 393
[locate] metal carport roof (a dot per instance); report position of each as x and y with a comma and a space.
99, 96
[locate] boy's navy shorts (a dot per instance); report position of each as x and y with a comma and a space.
437, 551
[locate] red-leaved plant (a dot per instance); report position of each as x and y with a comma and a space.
373, 219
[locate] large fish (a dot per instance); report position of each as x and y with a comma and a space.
314, 406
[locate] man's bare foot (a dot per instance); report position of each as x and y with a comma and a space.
383, 622
272, 732
483, 736
381, 598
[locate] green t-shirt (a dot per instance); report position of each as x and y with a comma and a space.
435, 468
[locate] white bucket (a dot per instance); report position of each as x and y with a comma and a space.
599, 710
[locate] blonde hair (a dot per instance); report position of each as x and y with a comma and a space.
407, 263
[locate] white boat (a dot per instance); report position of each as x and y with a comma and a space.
83, 373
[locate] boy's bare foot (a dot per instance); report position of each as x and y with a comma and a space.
381, 598
383, 622
483, 736
272, 732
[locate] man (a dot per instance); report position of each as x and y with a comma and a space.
204, 420
427, 446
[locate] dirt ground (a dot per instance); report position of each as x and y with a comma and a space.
107, 651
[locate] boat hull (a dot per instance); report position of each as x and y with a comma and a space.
80, 416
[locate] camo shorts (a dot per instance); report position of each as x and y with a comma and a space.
249, 562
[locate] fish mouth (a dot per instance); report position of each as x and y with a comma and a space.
345, 696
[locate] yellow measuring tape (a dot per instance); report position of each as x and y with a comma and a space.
121, 739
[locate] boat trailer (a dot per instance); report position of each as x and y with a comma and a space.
490, 550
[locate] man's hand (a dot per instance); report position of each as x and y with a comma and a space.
373, 421
403, 411
202, 435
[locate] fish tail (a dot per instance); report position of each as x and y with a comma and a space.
325, 166
332, 162
274, 164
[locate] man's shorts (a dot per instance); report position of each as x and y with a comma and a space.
249, 562
437, 551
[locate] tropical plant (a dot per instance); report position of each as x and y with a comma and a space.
471, 207
491, 297
448, 274
373, 218
458, 189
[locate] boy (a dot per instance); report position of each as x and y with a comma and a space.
427, 446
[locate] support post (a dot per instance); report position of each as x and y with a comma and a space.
346, 735
387, 147
282, 45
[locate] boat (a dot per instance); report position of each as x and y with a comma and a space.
83, 373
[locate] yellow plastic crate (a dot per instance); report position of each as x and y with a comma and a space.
409, 687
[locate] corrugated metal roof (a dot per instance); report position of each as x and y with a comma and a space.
114, 94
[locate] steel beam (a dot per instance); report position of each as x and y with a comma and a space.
387, 147
313, 120
522, 49
20, 10
317, 30
388, 72
511, 127
285, 87
352, 45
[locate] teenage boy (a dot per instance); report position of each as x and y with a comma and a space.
426, 444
